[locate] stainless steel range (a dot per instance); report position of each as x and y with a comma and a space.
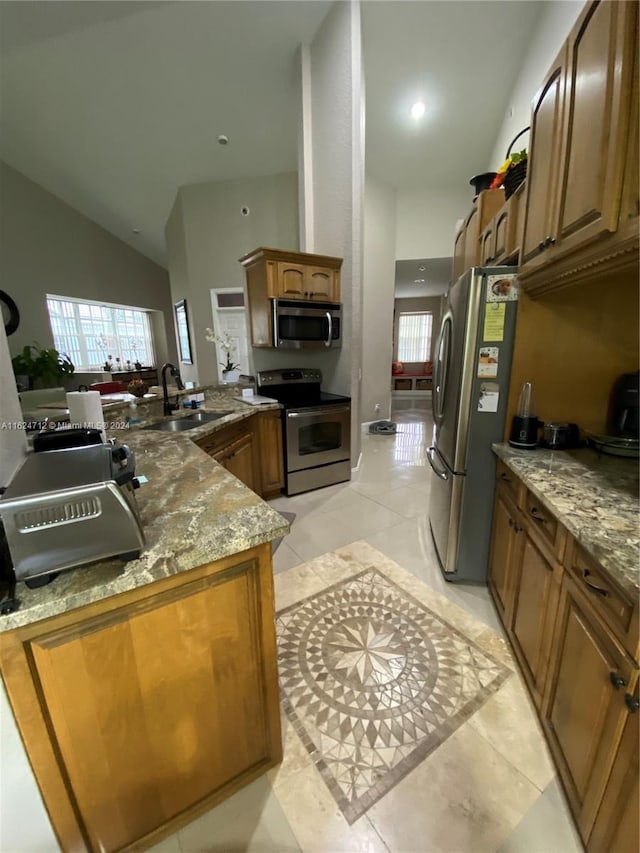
316, 428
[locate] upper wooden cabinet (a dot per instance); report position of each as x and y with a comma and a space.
543, 166
277, 274
484, 209
458, 254
583, 154
500, 240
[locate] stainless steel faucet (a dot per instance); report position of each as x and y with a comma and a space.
169, 407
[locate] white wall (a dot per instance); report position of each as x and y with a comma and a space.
426, 220
24, 823
13, 442
377, 298
336, 89
48, 247
206, 233
554, 26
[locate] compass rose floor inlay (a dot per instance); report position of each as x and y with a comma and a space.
373, 681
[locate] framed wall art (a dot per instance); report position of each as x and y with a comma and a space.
182, 327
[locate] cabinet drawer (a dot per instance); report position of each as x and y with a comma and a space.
219, 439
509, 482
612, 603
541, 520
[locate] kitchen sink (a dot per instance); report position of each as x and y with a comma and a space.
188, 422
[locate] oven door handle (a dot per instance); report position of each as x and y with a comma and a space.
327, 343
329, 410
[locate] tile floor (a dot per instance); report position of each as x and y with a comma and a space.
490, 786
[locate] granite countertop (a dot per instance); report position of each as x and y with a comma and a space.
193, 512
594, 496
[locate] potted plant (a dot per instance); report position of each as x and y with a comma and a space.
230, 370
43, 368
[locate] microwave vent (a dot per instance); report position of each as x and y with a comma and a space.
59, 513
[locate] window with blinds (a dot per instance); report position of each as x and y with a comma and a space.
91, 333
414, 336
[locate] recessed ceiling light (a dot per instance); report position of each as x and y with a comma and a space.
136, 230
417, 110
421, 268
223, 140
418, 281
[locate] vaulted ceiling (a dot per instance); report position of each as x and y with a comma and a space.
114, 105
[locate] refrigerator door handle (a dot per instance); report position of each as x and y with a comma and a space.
441, 368
443, 474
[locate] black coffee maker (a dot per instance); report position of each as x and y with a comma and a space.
623, 418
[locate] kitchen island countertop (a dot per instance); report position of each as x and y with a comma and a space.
595, 497
193, 512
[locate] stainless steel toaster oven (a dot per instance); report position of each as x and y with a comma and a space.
64, 508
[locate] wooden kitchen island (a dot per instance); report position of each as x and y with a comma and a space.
145, 692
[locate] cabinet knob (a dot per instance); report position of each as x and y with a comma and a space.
541, 245
550, 241
617, 680
505, 478
311, 292
306, 293
632, 703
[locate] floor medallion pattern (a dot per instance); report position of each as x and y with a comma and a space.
373, 681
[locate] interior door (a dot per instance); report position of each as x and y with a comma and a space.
233, 322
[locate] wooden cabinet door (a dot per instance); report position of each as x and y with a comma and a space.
322, 284
617, 824
472, 240
502, 233
270, 453
630, 205
239, 460
155, 705
534, 610
487, 244
583, 712
506, 547
458, 256
291, 280
543, 166
596, 122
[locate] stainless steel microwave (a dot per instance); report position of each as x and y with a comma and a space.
306, 325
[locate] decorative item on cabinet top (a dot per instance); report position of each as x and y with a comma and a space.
514, 169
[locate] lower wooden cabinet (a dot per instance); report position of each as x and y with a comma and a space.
251, 450
271, 453
504, 561
617, 823
584, 710
537, 586
574, 648
239, 458
141, 711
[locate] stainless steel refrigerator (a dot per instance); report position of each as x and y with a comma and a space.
472, 366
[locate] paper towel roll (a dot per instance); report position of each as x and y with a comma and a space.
85, 409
